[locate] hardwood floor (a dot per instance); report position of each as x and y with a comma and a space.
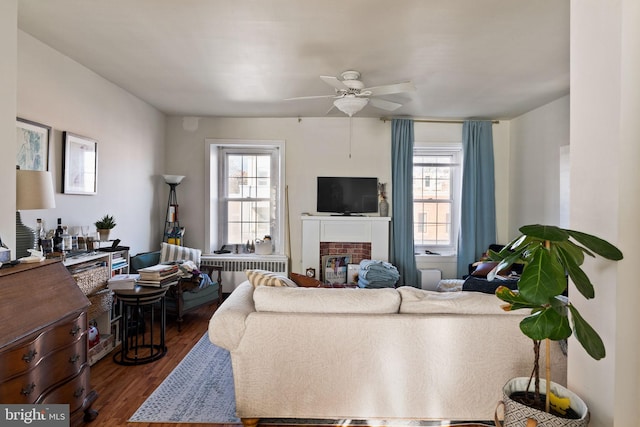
122, 389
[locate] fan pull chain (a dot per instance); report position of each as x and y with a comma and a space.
350, 135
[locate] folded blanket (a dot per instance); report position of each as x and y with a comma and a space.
377, 274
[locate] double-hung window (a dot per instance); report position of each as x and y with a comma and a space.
436, 197
245, 192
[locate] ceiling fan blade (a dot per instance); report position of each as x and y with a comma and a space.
310, 97
389, 89
334, 82
385, 105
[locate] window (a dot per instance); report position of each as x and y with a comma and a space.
245, 179
436, 197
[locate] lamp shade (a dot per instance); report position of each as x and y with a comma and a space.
173, 179
350, 104
34, 190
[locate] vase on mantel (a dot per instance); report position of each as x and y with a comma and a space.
383, 207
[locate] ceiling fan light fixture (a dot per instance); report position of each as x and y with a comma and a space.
350, 105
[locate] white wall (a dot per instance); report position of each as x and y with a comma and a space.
536, 138
314, 146
54, 90
627, 315
8, 53
605, 199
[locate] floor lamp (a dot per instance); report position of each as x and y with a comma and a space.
34, 190
172, 230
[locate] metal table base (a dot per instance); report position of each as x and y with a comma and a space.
136, 349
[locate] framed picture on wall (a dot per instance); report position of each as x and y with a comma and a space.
33, 145
334, 268
80, 164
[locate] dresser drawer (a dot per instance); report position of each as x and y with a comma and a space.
52, 369
72, 392
29, 353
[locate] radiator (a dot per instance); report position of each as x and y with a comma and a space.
429, 278
234, 267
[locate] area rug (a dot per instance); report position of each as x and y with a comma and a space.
200, 390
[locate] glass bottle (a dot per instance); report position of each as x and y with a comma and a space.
57, 237
39, 232
66, 239
43, 230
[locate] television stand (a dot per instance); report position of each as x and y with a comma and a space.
347, 214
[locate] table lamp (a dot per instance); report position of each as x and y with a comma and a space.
34, 190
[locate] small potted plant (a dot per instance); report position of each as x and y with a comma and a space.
104, 226
549, 255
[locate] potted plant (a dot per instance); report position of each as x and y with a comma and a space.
549, 254
104, 226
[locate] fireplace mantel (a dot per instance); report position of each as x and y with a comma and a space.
316, 229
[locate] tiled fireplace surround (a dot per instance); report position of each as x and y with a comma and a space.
360, 237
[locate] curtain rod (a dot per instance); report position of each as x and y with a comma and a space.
384, 119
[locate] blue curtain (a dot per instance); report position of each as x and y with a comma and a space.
402, 250
478, 206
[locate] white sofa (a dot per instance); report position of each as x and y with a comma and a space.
371, 353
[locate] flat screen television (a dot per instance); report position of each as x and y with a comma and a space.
347, 195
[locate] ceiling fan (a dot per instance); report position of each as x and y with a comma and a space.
352, 96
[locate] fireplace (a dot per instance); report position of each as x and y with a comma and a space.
360, 237
357, 250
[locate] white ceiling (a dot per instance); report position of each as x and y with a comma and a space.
241, 58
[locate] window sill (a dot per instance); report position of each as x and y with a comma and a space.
429, 257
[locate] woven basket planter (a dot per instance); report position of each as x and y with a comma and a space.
93, 280
101, 302
519, 415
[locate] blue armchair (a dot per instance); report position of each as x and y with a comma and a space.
186, 295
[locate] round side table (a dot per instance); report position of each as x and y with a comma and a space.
136, 349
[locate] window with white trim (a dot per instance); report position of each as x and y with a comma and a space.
245, 191
436, 197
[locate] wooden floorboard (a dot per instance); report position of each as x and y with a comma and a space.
122, 389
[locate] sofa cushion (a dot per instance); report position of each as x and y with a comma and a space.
169, 253
418, 301
326, 300
268, 278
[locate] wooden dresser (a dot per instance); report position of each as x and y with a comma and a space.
43, 339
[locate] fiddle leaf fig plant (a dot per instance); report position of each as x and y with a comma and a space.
549, 254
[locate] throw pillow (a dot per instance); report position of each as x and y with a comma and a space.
304, 281
449, 285
483, 268
169, 253
268, 278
